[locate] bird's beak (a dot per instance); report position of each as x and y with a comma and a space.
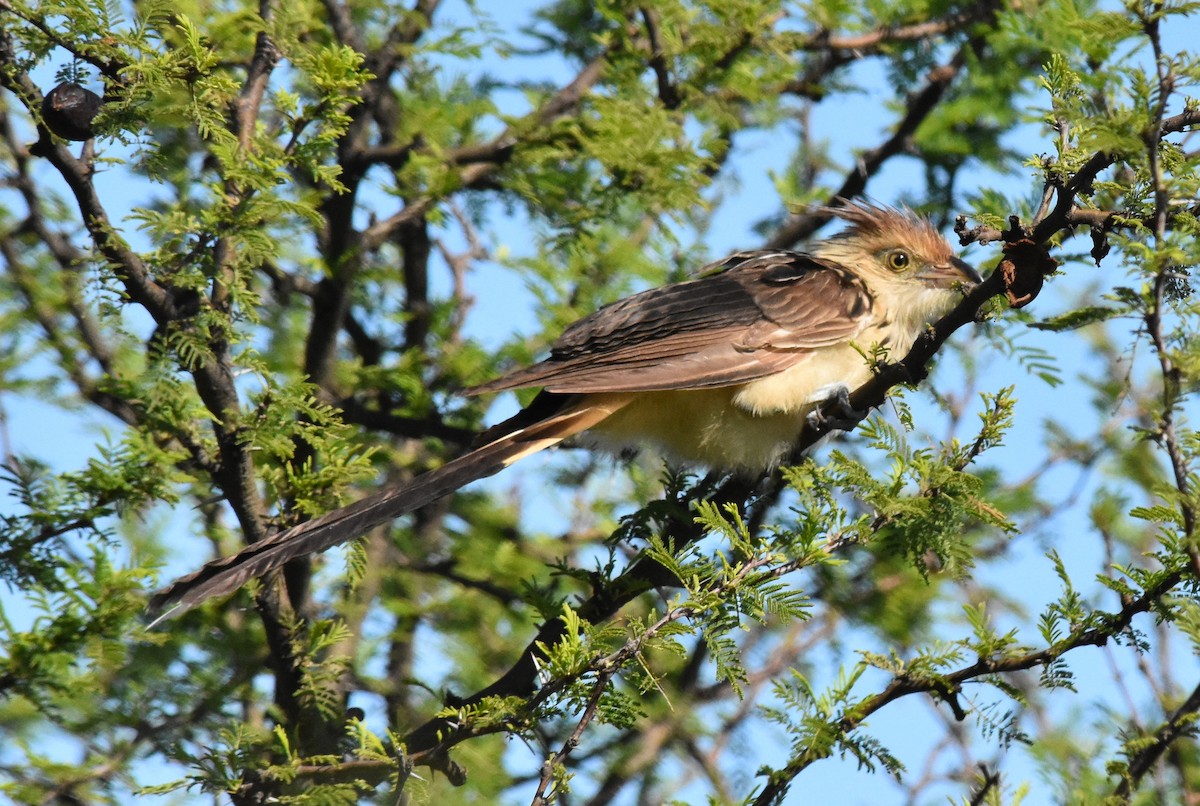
948, 274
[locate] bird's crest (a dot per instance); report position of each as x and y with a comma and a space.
877, 227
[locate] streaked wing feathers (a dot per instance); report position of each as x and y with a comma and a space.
760, 314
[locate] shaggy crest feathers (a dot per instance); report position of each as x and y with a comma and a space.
877, 227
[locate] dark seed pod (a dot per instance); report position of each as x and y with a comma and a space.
69, 109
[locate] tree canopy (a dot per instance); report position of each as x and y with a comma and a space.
253, 253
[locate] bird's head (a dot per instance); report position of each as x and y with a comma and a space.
901, 257
892, 244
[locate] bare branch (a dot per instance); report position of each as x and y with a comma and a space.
668, 94
798, 227
482, 160
872, 41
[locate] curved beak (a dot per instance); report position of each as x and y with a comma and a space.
948, 274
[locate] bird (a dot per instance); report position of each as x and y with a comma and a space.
723, 371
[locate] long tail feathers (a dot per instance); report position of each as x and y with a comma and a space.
227, 574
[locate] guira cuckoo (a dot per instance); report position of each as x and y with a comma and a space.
721, 371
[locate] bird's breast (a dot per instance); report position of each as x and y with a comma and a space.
699, 426
799, 388
750, 426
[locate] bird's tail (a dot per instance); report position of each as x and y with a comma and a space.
504, 446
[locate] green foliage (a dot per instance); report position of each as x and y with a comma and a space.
256, 289
924, 502
819, 724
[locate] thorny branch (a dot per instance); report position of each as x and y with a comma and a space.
1065, 214
541, 797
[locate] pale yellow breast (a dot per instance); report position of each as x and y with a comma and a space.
810, 381
750, 426
702, 426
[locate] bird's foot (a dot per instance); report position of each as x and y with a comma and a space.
835, 413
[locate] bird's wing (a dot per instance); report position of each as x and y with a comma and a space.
761, 313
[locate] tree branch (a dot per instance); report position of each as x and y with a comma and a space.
1181, 723
920, 105
904, 685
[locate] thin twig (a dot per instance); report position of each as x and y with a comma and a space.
1180, 723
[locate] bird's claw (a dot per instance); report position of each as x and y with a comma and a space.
835, 413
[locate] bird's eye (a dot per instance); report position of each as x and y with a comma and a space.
897, 260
